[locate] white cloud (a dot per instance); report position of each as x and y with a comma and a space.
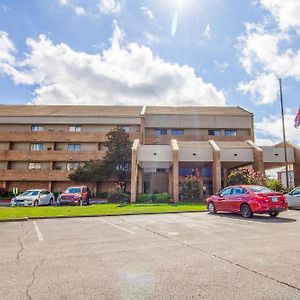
207, 31
147, 12
7, 50
271, 128
63, 2
109, 7
286, 12
150, 38
263, 89
122, 74
80, 11
221, 66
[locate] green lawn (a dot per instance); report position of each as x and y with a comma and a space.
94, 210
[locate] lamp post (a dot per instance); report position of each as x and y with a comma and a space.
284, 138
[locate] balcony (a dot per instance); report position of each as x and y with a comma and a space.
51, 155
165, 139
56, 136
34, 175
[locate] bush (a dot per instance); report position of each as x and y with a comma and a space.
246, 176
190, 190
102, 195
118, 196
3, 192
274, 184
153, 198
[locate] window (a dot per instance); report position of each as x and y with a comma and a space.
177, 132
126, 129
225, 192
34, 166
74, 147
295, 192
230, 133
72, 166
75, 128
160, 170
160, 131
238, 191
37, 147
214, 132
37, 128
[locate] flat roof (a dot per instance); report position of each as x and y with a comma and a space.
70, 110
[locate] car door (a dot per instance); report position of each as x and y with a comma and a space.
294, 198
236, 198
222, 198
42, 197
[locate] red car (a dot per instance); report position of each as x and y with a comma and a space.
247, 199
75, 195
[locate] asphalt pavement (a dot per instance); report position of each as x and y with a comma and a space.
171, 256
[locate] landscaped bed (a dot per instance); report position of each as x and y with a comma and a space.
96, 210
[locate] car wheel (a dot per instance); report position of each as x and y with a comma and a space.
89, 201
273, 214
246, 211
36, 203
80, 202
51, 202
211, 208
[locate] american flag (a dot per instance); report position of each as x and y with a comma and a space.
297, 119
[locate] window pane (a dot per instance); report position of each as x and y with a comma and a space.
126, 129
74, 147
37, 147
216, 132
37, 128
177, 132
230, 133
75, 128
160, 131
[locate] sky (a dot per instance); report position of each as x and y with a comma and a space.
155, 52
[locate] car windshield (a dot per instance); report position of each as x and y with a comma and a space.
259, 189
30, 193
72, 190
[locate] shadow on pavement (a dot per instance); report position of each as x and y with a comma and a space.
256, 218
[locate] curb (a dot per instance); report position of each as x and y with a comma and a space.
97, 216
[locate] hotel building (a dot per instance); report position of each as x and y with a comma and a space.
41, 145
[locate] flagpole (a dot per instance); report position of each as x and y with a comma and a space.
284, 138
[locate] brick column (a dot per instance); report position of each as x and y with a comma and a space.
50, 186
175, 170
142, 126
140, 180
134, 170
216, 167
170, 188
296, 167
258, 158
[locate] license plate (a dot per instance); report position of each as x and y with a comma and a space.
274, 199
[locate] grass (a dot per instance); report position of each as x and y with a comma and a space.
95, 210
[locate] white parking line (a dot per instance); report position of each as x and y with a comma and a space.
117, 226
38, 232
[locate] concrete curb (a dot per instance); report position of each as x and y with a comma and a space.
97, 216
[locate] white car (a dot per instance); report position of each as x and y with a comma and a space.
293, 198
34, 197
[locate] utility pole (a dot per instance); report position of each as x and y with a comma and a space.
284, 138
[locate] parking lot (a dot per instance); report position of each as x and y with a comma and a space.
171, 256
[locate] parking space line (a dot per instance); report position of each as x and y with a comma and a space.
38, 232
117, 226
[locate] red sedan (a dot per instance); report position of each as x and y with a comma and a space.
247, 199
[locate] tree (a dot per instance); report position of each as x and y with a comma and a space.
274, 184
246, 176
114, 164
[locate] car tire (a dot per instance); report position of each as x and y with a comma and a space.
51, 202
89, 201
36, 203
273, 214
246, 211
211, 208
80, 202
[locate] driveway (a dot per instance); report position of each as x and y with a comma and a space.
172, 256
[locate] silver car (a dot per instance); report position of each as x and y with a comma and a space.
33, 197
293, 198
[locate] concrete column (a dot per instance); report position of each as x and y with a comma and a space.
175, 170
134, 170
170, 189
258, 158
226, 174
216, 167
4, 185
142, 126
50, 186
296, 167
140, 181
200, 179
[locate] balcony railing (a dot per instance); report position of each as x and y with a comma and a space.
51, 155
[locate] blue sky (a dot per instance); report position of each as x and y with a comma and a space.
168, 52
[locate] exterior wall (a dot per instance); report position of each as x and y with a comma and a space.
4, 146
26, 185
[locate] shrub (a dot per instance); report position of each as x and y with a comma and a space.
190, 189
102, 195
118, 196
3, 192
274, 184
246, 176
153, 198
